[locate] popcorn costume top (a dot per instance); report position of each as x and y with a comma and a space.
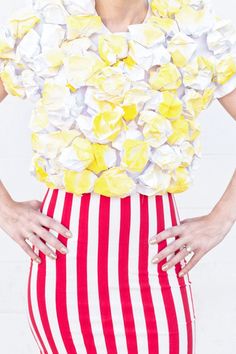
116, 112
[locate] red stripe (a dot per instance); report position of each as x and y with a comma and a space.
125, 297
164, 283
41, 277
182, 284
150, 318
29, 294
103, 239
61, 280
82, 287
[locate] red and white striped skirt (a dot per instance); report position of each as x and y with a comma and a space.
105, 295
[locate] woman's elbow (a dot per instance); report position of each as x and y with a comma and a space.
229, 103
3, 92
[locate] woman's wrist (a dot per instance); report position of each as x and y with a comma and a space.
6, 200
224, 211
6, 204
221, 213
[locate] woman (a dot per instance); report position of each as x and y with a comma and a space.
117, 88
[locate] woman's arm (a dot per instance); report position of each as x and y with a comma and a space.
227, 204
202, 233
20, 219
225, 209
3, 92
229, 103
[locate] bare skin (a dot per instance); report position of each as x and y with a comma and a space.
19, 219
118, 14
202, 233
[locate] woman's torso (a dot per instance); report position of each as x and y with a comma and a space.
115, 113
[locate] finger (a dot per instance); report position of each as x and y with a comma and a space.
51, 223
36, 241
170, 232
175, 259
50, 239
171, 248
27, 248
195, 258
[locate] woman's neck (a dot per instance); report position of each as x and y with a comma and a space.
119, 14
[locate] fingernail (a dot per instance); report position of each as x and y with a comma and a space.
64, 250
181, 274
152, 240
154, 259
38, 260
52, 255
69, 233
165, 266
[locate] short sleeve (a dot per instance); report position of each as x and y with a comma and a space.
221, 42
15, 72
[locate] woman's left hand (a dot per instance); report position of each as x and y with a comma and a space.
201, 233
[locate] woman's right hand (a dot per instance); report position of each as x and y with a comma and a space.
21, 219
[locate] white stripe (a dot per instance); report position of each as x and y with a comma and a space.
34, 296
71, 277
135, 291
92, 274
187, 279
188, 286
32, 328
50, 286
157, 297
175, 288
192, 317
113, 276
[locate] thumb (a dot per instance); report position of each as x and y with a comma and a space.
190, 219
185, 220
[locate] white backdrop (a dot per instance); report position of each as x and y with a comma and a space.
213, 278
